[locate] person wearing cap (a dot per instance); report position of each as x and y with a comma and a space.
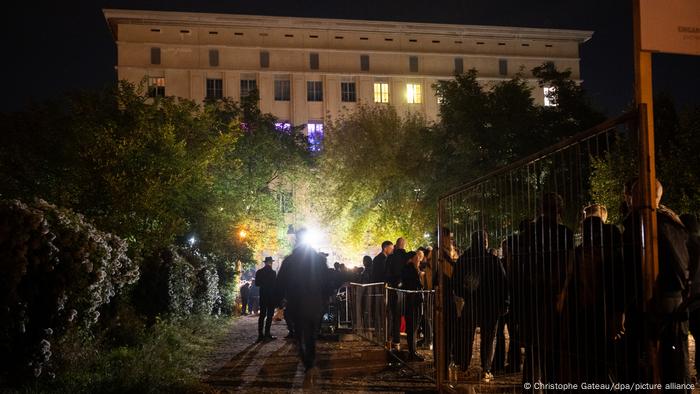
265, 279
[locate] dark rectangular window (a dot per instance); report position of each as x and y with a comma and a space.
313, 61
247, 86
314, 91
347, 92
503, 66
264, 59
413, 64
459, 65
364, 62
214, 58
282, 90
215, 89
156, 87
155, 55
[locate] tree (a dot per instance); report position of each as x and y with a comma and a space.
154, 171
382, 172
369, 180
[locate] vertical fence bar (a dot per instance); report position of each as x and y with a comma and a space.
441, 365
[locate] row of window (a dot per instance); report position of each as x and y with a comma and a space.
282, 87
314, 90
337, 37
314, 62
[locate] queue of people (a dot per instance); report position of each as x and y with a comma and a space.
572, 302
574, 307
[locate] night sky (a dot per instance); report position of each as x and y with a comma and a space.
66, 45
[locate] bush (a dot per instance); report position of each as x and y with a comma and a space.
228, 284
57, 270
205, 291
178, 282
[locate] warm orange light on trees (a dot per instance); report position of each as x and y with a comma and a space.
242, 234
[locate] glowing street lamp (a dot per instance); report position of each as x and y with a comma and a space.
242, 234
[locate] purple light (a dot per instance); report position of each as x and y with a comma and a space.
283, 126
315, 136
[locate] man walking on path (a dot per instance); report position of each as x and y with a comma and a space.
265, 280
304, 282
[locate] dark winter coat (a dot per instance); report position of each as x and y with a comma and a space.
394, 266
378, 268
265, 280
304, 281
410, 278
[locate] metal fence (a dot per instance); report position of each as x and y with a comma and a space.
537, 280
400, 320
367, 304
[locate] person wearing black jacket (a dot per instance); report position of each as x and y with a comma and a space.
244, 298
392, 276
304, 281
410, 280
669, 320
367, 271
265, 280
548, 253
480, 281
379, 262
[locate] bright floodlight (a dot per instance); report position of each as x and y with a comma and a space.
192, 240
312, 237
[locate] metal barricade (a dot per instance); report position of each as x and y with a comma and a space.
411, 316
400, 320
367, 309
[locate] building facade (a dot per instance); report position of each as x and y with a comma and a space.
309, 69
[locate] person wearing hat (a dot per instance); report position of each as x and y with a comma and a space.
265, 279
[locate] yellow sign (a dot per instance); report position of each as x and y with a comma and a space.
671, 26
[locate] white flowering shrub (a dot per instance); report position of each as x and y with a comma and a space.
178, 282
56, 270
206, 297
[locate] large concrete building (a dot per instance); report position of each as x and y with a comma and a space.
307, 69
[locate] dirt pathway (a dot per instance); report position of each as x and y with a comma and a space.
348, 366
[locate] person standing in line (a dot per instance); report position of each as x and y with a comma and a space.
379, 262
394, 265
668, 322
265, 280
244, 298
691, 224
427, 280
550, 254
366, 274
254, 298
410, 280
480, 281
445, 257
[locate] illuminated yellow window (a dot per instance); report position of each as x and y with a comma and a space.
381, 92
414, 94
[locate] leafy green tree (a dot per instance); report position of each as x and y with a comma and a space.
369, 187
382, 172
154, 171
